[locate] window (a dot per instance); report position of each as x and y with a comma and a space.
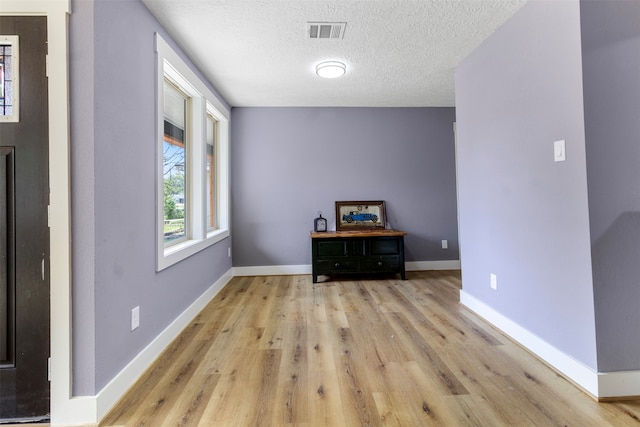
192, 182
210, 171
175, 165
9, 74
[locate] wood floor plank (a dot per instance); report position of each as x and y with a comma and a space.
369, 329
323, 394
406, 303
134, 402
263, 383
191, 403
169, 388
223, 346
291, 403
283, 351
333, 305
424, 354
266, 294
357, 398
423, 395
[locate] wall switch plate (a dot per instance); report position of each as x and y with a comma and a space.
559, 154
229, 252
135, 318
445, 244
494, 281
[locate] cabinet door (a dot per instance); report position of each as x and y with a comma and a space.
358, 247
346, 247
332, 248
385, 246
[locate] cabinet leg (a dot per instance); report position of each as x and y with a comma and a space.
315, 278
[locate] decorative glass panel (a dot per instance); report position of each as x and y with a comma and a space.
175, 164
9, 78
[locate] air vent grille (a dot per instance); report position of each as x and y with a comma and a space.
326, 30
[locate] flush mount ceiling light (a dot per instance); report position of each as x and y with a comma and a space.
331, 69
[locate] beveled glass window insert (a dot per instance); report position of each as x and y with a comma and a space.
9, 73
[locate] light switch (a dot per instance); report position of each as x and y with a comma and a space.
559, 154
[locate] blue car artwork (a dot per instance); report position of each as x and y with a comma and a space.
357, 216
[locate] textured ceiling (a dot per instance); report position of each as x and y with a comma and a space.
399, 53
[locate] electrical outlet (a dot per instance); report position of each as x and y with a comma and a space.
229, 252
494, 281
445, 244
135, 318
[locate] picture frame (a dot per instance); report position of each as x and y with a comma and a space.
360, 215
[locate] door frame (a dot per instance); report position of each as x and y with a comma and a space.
65, 409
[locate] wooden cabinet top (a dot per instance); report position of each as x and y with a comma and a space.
356, 233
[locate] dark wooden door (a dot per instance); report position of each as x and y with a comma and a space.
24, 232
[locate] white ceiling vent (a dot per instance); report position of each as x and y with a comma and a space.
326, 30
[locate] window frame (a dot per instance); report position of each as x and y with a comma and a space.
212, 179
203, 102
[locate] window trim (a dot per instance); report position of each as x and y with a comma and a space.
202, 102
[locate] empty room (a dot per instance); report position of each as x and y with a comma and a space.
320, 212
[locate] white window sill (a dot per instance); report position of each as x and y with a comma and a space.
182, 250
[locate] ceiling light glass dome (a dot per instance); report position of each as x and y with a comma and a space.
331, 69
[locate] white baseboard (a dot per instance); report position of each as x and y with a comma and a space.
618, 384
277, 270
580, 374
272, 270
602, 385
118, 386
432, 265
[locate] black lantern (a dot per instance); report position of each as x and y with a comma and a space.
319, 224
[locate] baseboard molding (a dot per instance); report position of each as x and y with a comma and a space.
432, 265
604, 386
118, 386
278, 270
272, 270
580, 374
618, 385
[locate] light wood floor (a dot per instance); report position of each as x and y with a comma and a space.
281, 351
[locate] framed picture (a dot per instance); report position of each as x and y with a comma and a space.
360, 215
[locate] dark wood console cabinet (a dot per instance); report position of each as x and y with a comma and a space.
366, 251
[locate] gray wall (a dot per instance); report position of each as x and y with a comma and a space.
81, 88
290, 163
522, 216
113, 175
611, 59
